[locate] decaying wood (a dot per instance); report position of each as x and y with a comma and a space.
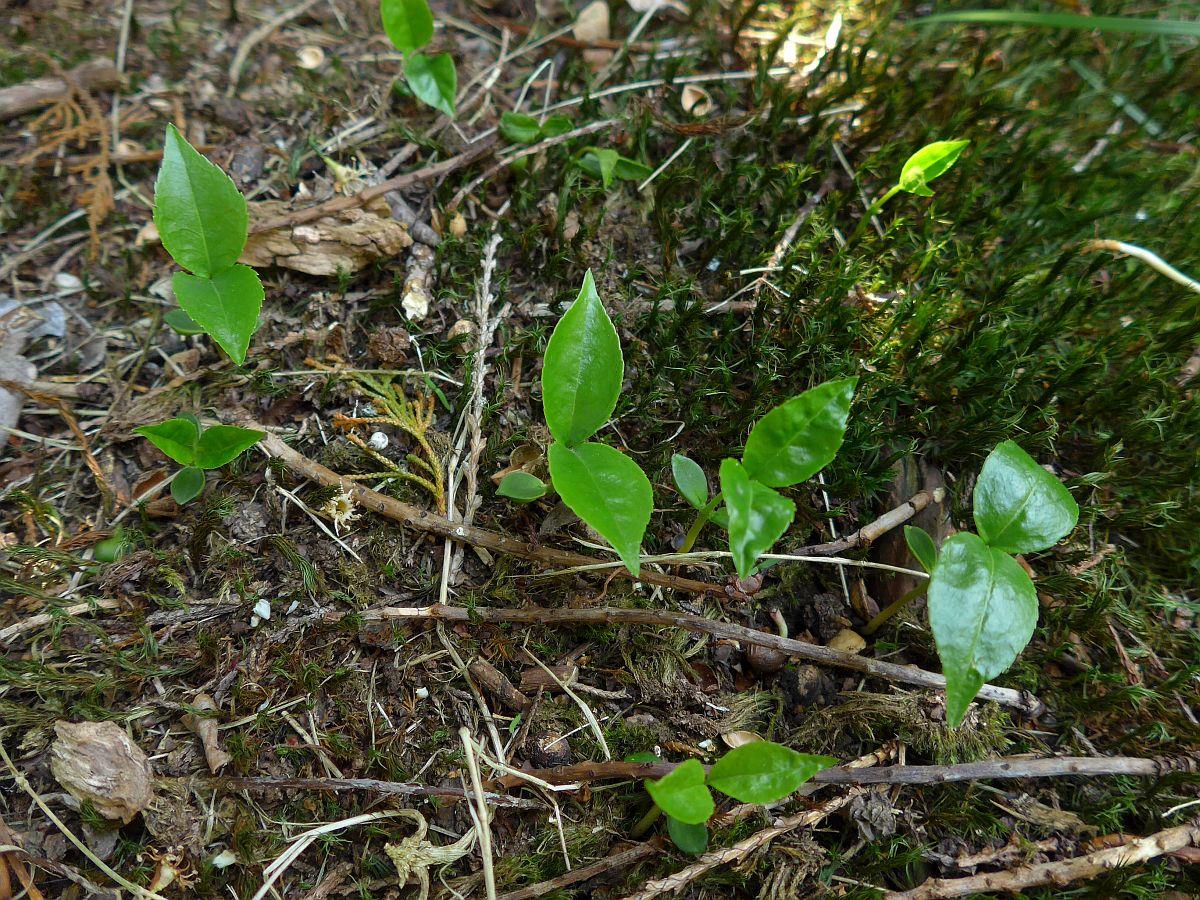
93, 75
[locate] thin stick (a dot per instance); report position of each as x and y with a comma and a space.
607, 615
1152, 260
1060, 872
485, 831
42, 619
371, 785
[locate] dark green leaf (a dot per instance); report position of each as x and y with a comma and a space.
222, 443
407, 23
556, 125
198, 211
927, 164
175, 437
982, 609
1127, 24
582, 371
798, 438
1019, 506
433, 80
683, 795
187, 484
226, 306
758, 515
690, 480
521, 487
763, 772
921, 545
600, 163
519, 128
691, 839
631, 170
606, 489
181, 323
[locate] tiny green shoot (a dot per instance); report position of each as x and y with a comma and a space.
196, 448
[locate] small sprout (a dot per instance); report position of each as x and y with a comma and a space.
197, 449
433, 80
928, 163
521, 487
608, 165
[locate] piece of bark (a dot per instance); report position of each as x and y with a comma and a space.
538, 679
97, 762
206, 729
497, 684
93, 75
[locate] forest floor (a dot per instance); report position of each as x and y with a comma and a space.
253, 643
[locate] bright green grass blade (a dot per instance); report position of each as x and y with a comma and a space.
1129, 25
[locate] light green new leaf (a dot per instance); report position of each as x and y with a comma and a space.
519, 128
690, 480
187, 484
407, 23
220, 444
1019, 506
798, 438
606, 489
921, 545
433, 80
763, 772
175, 437
198, 211
521, 487
758, 515
982, 609
582, 370
682, 793
691, 839
927, 164
226, 306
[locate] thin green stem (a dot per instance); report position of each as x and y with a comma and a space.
872, 210
702, 517
643, 824
892, 608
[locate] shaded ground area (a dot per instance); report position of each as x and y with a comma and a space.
737, 277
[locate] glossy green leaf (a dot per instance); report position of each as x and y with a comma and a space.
608, 490
226, 306
1019, 506
690, 480
180, 322
187, 484
407, 23
175, 437
220, 444
982, 609
758, 515
198, 211
521, 487
763, 772
921, 545
682, 794
927, 164
691, 839
433, 80
556, 125
798, 438
582, 370
519, 128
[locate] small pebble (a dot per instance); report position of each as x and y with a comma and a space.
378, 441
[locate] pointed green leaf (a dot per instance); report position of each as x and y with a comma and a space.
682, 794
407, 23
690, 480
600, 163
928, 163
798, 438
433, 80
521, 487
223, 443
226, 306
582, 371
1019, 506
519, 128
921, 545
175, 437
181, 323
198, 211
763, 772
758, 515
691, 839
982, 609
187, 484
556, 125
606, 489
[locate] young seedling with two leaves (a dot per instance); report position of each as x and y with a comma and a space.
983, 606
928, 163
202, 221
432, 79
759, 772
197, 448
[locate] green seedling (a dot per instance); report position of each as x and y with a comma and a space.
519, 128
432, 79
983, 607
197, 449
521, 487
608, 165
759, 772
928, 163
201, 217
581, 380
